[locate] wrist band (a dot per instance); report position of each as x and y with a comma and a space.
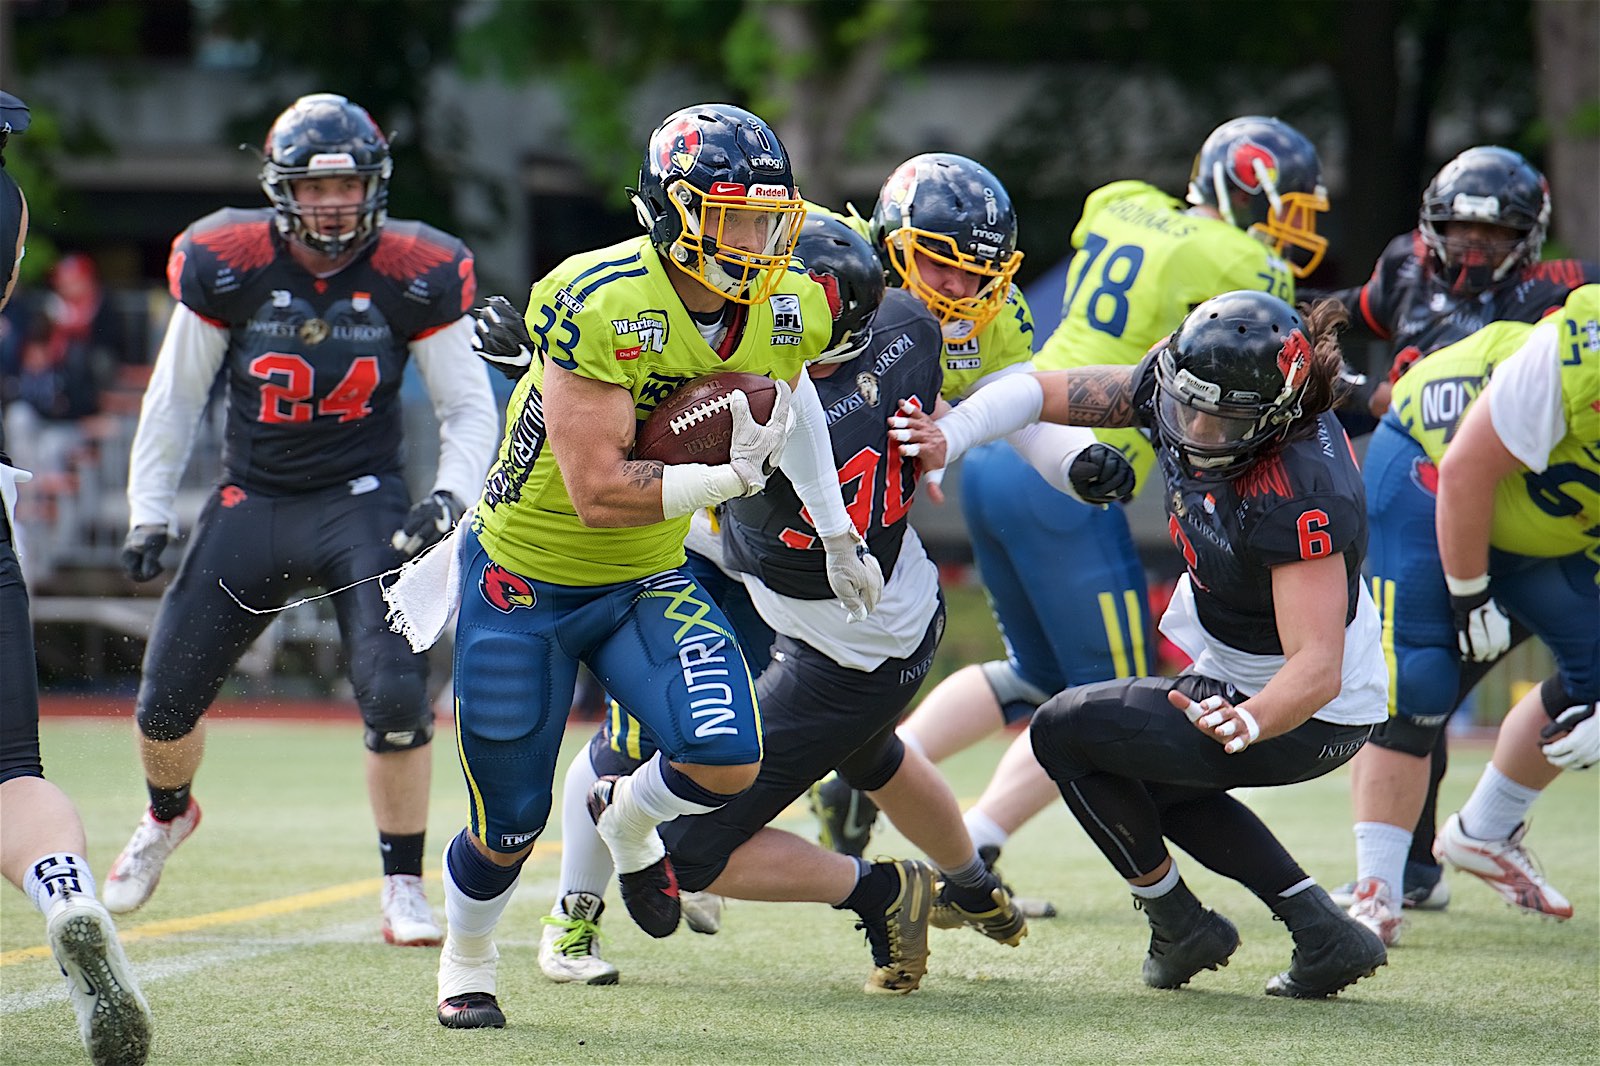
1466, 586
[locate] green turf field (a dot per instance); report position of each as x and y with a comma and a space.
262, 946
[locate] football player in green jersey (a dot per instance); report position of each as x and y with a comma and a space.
1483, 493
575, 551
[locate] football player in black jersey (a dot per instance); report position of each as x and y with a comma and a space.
42, 842
1473, 259
308, 310
1266, 505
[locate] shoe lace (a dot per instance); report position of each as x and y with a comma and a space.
148, 847
405, 898
579, 938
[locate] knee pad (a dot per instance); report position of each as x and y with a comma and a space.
1408, 736
1427, 683
397, 714
1018, 698
870, 771
1050, 734
166, 722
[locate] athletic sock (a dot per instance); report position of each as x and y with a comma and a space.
168, 803
402, 853
585, 859
970, 874
1162, 887
1381, 852
984, 831
876, 884
51, 878
476, 892
1496, 807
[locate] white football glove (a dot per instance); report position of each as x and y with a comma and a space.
1482, 629
853, 573
1576, 743
755, 448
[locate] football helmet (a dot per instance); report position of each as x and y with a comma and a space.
718, 198
1230, 379
325, 135
1263, 176
844, 264
1491, 185
14, 117
953, 212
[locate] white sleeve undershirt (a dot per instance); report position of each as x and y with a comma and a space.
808, 461
1525, 407
191, 354
463, 402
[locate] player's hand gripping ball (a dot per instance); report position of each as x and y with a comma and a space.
694, 424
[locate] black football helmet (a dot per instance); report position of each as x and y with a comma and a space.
844, 264
1491, 185
956, 213
1229, 381
1262, 175
325, 135
14, 117
718, 198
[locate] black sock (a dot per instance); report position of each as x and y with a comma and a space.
875, 886
168, 803
402, 853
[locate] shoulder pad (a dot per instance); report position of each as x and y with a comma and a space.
217, 252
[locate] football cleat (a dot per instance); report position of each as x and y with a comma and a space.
407, 918
1505, 865
136, 872
466, 990
898, 931
990, 910
702, 911
1185, 938
1425, 889
112, 1014
650, 891
1332, 951
569, 948
845, 816
1375, 908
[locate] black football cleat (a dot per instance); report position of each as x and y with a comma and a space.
650, 894
1332, 951
475, 1010
1185, 938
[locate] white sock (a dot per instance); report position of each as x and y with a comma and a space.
51, 878
1161, 887
1381, 851
984, 831
585, 859
1496, 807
472, 921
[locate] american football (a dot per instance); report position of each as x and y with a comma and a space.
695, 425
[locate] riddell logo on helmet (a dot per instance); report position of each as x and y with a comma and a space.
770, 192
1245, 157
332, 161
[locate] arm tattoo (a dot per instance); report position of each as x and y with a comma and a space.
1100, 396
640, 472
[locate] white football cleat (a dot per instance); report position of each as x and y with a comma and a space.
1375, 907
1505, 865
136, 872
569, 947
701, 910
407, 918
112, 1014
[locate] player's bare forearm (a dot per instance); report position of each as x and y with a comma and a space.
590, 425
1100, 396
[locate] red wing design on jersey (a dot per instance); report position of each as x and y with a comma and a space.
1269, 477
241, 245
404, 257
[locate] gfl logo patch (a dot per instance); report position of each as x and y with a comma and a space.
505, 591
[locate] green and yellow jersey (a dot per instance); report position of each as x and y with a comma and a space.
1142, 262
1547, 512
612, 315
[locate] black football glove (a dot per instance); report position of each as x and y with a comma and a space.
500, 337
427, 522
141, 552
1101, 474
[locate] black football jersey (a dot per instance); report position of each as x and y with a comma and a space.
314, 365
1302, 501
1406, 304
770, 535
